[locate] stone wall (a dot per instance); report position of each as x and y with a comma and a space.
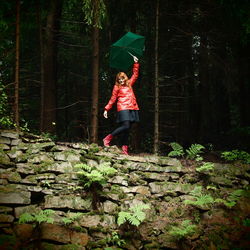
37, 175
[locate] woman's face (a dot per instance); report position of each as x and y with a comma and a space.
122, 79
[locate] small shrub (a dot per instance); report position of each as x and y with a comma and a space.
115, 240
246, 222
6, 120
235, 155
93, 178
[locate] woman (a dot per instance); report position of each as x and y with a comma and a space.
127, 106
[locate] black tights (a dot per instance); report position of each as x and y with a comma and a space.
124, 130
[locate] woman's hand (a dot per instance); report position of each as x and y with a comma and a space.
105, 114
135, 59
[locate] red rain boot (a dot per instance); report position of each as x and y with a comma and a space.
107, 140
125, 149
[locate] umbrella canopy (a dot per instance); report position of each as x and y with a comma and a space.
120, 52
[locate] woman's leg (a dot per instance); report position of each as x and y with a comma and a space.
124, 130
125, 126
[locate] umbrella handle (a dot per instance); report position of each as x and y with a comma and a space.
134, 57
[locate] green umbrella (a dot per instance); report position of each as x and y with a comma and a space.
120, 52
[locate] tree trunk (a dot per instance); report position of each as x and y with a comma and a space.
48, 98
16, 103
95, 74
156, 118
39, 21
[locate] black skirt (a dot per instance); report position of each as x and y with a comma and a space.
128, 115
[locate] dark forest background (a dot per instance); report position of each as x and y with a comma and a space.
55, 76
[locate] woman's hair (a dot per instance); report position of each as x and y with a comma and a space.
121, 75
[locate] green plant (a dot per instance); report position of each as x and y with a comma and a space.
6, 120
135, 217
71, 217
235, 155
183, 230
49, 136
177, 150
232, 198
201, 200
206, 167
90, 175
204, 200
193, 152
93, 178
246, 222
42, 216
115, 240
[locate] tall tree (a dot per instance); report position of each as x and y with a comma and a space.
48, 104
94, 11
16, 102
156, 118
95, 75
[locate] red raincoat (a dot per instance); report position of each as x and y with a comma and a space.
124, 94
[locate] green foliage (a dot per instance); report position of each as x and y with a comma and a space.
246, 222
5, 117
206, 167
204, 200
94, 175
89, 12
177, 149
71, 218
183, 230
42, 216
115, 240
201, 200
135, 217
234, 197
193, 152
235, 155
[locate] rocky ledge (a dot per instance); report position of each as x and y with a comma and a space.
45, 204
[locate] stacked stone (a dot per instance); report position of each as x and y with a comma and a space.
38, 174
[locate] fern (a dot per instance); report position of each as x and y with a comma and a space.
197, 191
106, 170
208, 166
177, 149
201, 199
26, 218
236, 155
67, 221
183, 230
122, 217
84, 167
94, 175
194, 152
134, 217
115, 240
42, 216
